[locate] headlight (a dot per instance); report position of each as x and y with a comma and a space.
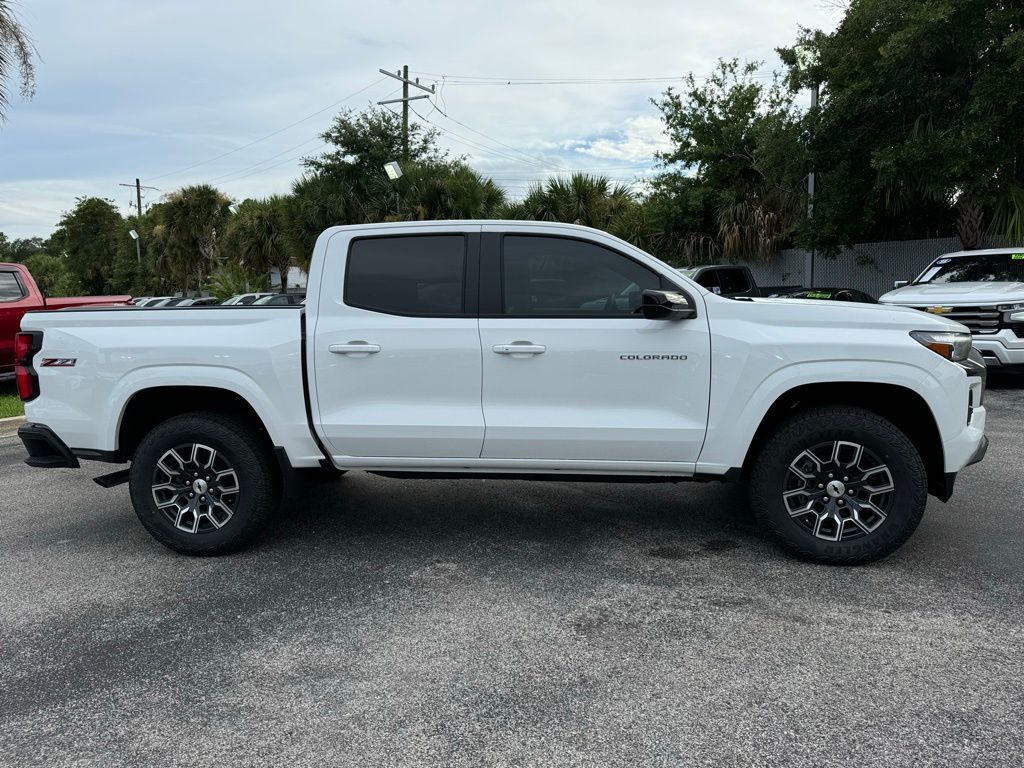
1010, 307
952, 346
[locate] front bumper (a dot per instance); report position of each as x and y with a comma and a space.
45, 449
1000, 349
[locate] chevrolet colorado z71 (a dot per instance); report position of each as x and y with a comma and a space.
519, 350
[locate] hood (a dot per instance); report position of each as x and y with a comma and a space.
956, 293
839, 314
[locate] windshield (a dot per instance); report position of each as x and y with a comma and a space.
981, 268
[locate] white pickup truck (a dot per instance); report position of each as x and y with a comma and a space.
984, 290
515, 350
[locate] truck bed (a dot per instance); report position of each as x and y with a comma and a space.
107, 354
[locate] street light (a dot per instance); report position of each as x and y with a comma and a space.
394, 172
138, 249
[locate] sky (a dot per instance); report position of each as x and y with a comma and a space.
235, 93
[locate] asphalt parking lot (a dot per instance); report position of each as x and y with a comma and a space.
471, 623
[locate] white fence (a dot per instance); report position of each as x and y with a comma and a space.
869, 267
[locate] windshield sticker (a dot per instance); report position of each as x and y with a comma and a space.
1017, 257
819, 295
943, 261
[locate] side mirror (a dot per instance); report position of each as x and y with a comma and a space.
666, 305
901, 283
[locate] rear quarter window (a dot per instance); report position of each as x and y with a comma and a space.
10, 287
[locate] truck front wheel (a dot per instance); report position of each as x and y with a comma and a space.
203, 484
839, 485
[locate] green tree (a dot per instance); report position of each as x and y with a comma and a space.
89, 237
191, 221
232, 278
21, 248
592, 201
737, 140
919, 129
257, 237
362, 142
16, 53
51, 275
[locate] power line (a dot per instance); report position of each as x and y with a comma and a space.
481, 147
267, 168
494, 80
269, 135
261, 162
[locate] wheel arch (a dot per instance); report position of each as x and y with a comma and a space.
902, 406
151, 406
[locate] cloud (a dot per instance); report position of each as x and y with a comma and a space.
155, 88
641, 138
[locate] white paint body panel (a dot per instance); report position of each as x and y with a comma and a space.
436, 398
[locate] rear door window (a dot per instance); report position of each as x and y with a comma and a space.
420, 275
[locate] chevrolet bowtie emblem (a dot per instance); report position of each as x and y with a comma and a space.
939, 310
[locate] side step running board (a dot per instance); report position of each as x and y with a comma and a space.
114, 478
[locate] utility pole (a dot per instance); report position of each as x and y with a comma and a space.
403, 76
809, 271
138, 194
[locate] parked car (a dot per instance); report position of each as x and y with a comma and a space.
20, 294
203, 301
483, 349
730, 280
152, 301
826, 294
245, 299
983, 290
278, 299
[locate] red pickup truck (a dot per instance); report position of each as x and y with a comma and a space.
20, 294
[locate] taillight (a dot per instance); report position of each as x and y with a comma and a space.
25, 347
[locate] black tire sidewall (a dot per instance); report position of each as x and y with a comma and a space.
243, 452
824, 425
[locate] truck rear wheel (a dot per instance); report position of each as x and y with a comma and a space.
839, 485
203, 484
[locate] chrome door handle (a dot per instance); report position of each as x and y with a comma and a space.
355, 348
519, 348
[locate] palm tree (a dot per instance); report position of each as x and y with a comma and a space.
258, 235
193, 218
16, 52
592, 201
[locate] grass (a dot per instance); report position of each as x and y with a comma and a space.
10, 405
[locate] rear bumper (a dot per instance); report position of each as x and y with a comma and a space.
45, 449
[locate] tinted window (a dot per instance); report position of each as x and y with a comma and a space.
709, 279
551, 276
984, 268
409, 275
10, 288
733, 281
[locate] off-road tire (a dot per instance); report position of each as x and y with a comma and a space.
819, 426
241, 448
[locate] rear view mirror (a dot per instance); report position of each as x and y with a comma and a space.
900, 283
666, 305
